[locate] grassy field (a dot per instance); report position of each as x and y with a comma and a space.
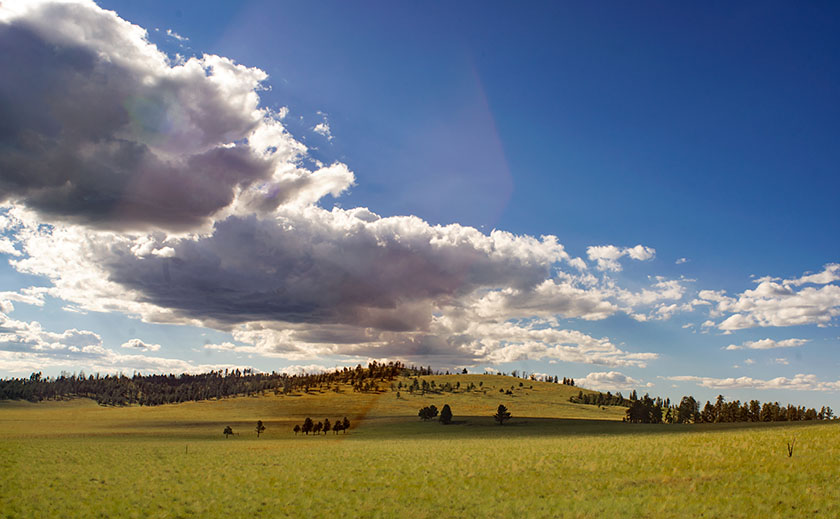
554, 459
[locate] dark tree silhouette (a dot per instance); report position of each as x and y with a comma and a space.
317, 428
228, 431
307, 426
427, 413
345, 424
327, 425
502, 414
338, 426
260, 428
296, 429
445, 414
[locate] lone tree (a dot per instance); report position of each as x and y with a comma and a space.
228, 431
260, 428
307, 426
502, 414
327, 425
445, 415
296, 429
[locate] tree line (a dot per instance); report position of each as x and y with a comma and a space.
309, 426
154, 390
650, 410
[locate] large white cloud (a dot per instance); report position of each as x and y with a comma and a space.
159, 188
780, 302
800, 382
102, 128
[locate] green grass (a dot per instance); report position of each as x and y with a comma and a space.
554, 459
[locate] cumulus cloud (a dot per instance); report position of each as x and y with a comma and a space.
137, 344
27, 347
160, 188
607, 256
323, 128
779, 302
767, 344
104, 129
799, 382
680, 261
608, 380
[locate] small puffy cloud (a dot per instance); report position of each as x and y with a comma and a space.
310, 369
781, 360
607, 256
767, 344
608, 380
680, 261
323, 128
749, 361
137, 344
799, 382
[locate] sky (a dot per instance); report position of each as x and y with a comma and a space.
638, 196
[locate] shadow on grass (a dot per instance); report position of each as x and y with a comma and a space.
486, 427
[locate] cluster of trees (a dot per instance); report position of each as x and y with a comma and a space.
600, 399
427, 413
425, 386
167, 389
649, 410
318, 427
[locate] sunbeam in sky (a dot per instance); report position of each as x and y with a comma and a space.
635, 197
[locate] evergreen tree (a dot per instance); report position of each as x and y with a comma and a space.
228, 431
445, 414
307, 426
327, 425
345, 424
260, 428
296, 429
502, 414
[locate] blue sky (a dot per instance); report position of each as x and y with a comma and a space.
192, 214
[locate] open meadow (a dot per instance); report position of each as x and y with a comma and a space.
552, 459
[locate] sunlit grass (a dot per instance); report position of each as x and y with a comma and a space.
77, 459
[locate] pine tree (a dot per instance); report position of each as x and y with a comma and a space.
502, 414
260, 428
327, 425
228, 431
445, 414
